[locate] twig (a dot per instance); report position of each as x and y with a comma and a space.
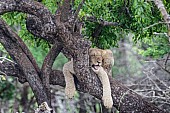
155, 97
155, 25
155, 33
4, 58
166, 60
152, 80
159, 79
162, 67
101, 21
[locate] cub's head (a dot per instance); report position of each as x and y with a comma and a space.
95, 58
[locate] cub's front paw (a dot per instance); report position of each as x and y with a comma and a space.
107, 101
70, 91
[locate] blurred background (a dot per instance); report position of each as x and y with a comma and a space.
140, 47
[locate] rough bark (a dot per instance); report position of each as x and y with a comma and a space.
47, 67
53, 30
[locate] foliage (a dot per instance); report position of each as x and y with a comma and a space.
7, 90
51, 4
133, 17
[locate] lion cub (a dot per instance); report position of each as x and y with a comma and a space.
100, 62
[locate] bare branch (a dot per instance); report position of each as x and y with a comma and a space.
166, 60
162, 67
47, 67
164, 13
101, 21
155, 25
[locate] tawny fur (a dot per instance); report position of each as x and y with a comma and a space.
103, 60
70, 86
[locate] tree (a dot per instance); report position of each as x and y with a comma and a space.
63, 31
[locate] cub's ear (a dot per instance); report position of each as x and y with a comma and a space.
90, 51
107, 53
110, 54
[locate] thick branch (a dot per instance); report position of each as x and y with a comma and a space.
124, 99
47, 67
65, 10
9, 40
35, 26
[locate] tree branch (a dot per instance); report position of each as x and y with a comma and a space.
47, 67
155, 25
101, 21
35, 26
9, 40
164, 13
65, 10
26, 6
